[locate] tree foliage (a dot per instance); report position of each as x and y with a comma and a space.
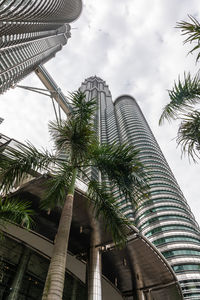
16, 211
192, 31
184, 96
76, 147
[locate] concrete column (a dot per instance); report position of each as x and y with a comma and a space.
74, 289
18, 279
149, 297
140, 295
94, 266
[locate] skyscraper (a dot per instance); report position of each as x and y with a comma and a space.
31, 32
165, 219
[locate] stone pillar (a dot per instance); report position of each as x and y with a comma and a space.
18, 279
94, 265
74, 289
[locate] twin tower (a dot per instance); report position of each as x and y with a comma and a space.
31, 32
165, 219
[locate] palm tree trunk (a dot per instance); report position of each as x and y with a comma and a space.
94, 265
53, 289
18, 279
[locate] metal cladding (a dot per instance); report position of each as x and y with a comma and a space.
129, 269
31, 32
107, 128
61, 11
165, 219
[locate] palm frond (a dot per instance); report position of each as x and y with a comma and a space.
120, 163
106, 207
17, 164
183, 96
83, 109
19, 212
75, 134
72, 139
56, 187
189, 135
61, 135
192, 30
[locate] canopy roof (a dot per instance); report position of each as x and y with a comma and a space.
138, 266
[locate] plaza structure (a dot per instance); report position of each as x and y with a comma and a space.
31, 33
136, 272
165, 219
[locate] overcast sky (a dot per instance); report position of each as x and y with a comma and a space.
131, 44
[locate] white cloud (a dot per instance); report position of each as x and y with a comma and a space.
133, 45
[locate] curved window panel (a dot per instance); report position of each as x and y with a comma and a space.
166, 217
180, 252
192, 296
164, 192
190, 281
180, 268
160, 208
163, 199
167, 228
188, 288
172, 239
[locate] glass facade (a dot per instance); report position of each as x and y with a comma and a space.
165, 219
106, 125
31, 33
34, 275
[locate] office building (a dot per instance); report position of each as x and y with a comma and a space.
126, 273
31, 33
136, 272
165, 219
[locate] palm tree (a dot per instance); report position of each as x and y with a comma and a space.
189, 134
76, 149
15, 211
184, 95
192, 30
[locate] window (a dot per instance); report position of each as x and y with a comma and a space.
175, 239
180, 268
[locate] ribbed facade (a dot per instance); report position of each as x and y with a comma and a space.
31, 32
107, 129
165, 219
61, 11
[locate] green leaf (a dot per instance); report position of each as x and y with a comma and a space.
189, 135
14, 210
83, 108
16, 165
121, 165
56, 187
183, 96
106, 207
192, 30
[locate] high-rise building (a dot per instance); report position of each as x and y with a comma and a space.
31, 32
137, 271
165, 219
